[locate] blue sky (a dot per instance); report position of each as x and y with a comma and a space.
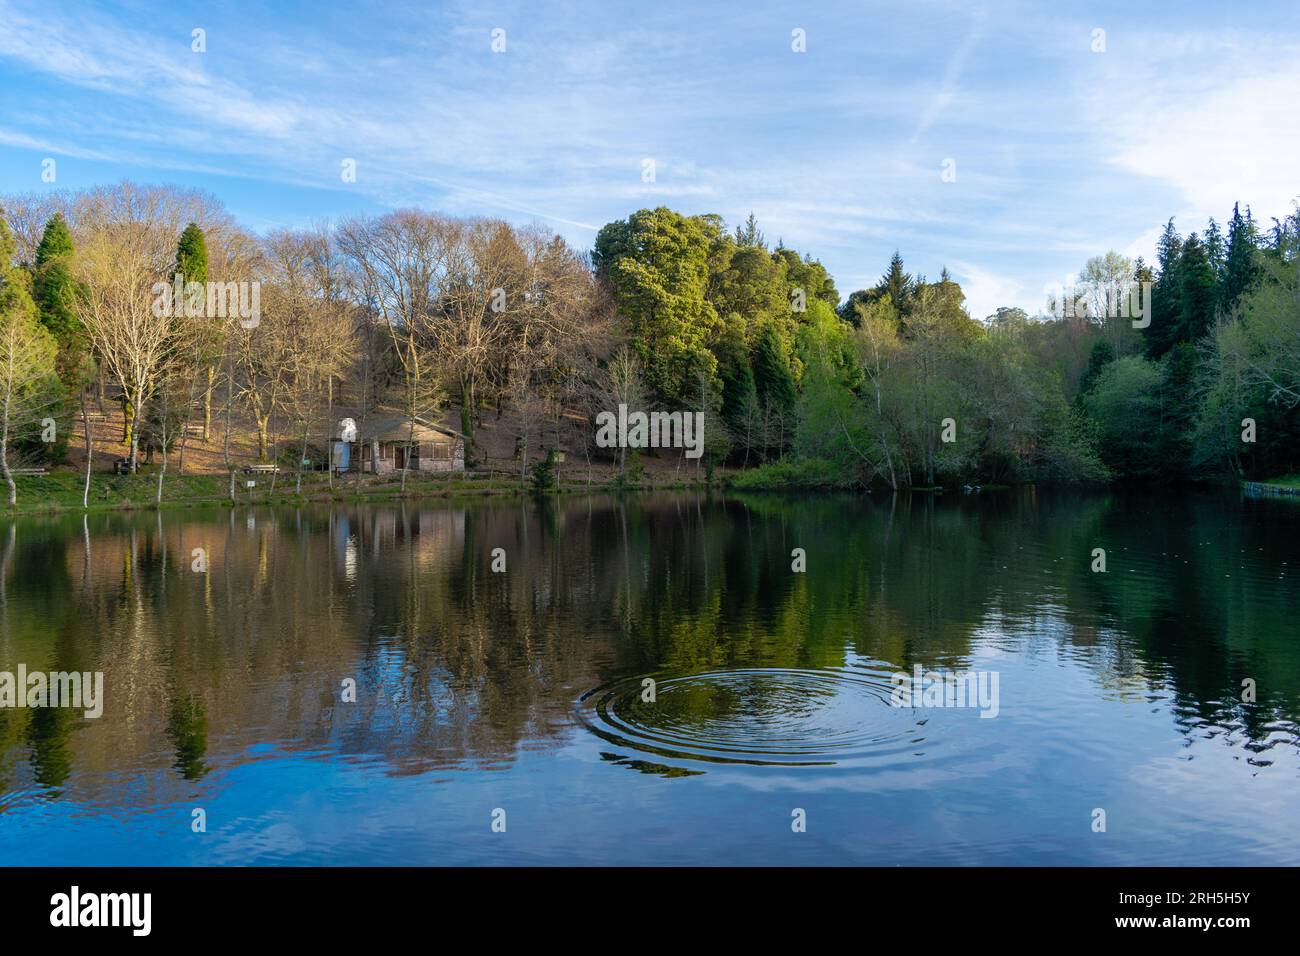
1059, 152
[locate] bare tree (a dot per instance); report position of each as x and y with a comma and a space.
134, 335
400, 262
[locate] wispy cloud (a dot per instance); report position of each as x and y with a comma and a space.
1060, 153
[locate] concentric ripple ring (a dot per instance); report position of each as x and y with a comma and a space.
760, 716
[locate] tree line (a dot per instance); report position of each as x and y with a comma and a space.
414, 312
404, 312
898, 386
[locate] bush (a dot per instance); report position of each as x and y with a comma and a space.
795, 473
632, 475
544, 474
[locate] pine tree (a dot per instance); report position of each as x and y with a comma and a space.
1102, 354
772, 376
1196, 294
53, 288
56, 298
1241, 266
1215, 248
1166, 294
750, 235
192, 266
192, 255
897, 284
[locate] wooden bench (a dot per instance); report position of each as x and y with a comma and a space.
261, 469
28, 472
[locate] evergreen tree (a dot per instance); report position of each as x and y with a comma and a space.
1102, 354
1215, 248
750, 235
1196, 294
897, 284
1241, 267
56, 297
1166, 294
1177, 410
56, 294
739, 393
192, 255
772, 376
1142, 272
849, 313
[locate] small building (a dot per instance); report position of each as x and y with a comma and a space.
381, 446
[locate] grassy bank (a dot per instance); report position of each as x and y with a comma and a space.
62, 491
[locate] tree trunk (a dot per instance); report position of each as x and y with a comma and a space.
135, 449
4, 464
161, 471
90, 450
207, 403
302, 455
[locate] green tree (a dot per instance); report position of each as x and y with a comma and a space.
29, 381
1166, 295
656, 264
752, 285
740, 408
54, 289
1241, 265
1102, 354
808, 274
57, 296
1196, 293
750, 235
897, 284
1125, 407
775, 384
192, 255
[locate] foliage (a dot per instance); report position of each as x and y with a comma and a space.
802, 473
544, 473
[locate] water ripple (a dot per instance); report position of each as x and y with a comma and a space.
757, 716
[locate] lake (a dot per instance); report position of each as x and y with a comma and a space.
660, 679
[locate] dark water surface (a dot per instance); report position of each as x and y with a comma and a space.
523, 691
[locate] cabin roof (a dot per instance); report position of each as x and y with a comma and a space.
402, 428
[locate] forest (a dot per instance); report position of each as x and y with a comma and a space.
894, 386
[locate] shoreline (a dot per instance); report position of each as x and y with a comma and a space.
133, 493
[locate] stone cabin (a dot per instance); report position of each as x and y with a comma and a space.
382, 444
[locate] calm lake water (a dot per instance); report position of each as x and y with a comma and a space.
523, 691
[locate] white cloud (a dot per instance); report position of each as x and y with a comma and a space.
1213, 117
985, 291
